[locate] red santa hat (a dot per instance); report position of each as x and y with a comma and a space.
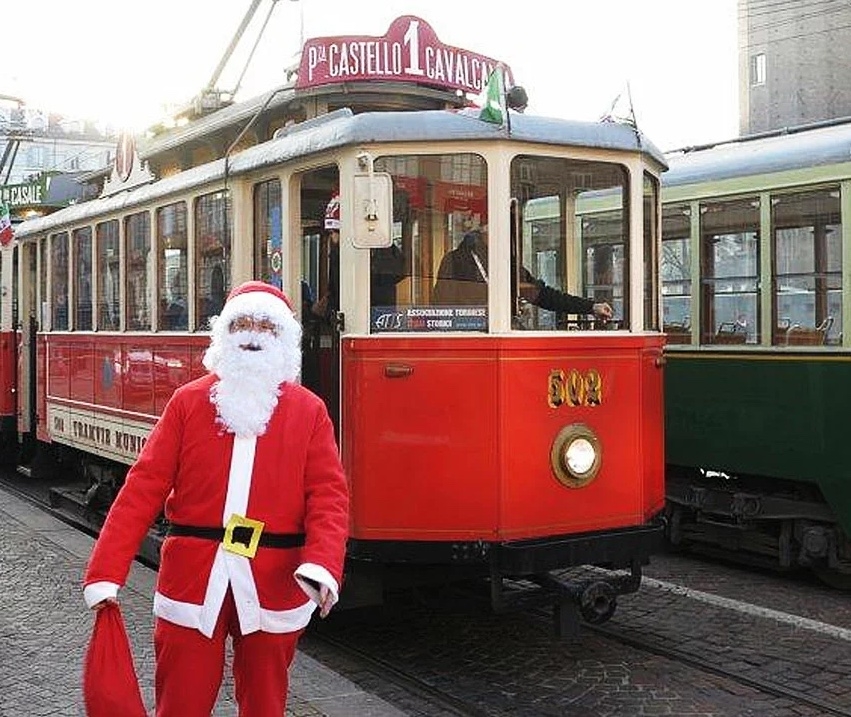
257, 298
332, 213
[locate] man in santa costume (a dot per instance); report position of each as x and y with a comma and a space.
244, 464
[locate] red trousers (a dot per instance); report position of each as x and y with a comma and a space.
190, 668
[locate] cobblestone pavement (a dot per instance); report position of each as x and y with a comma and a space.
45, 627
506, 664
513, 664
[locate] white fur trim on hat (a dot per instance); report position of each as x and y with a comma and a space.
257, 304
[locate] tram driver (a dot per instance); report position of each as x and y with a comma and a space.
462, 279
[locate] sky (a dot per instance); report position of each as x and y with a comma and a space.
126, 63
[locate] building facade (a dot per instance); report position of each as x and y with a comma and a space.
794, 63
41, 154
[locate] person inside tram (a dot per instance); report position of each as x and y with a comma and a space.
211, 304
327, 305
175, 314
462, 279
386, 269
310, 338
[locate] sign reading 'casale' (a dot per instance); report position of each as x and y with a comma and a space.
409, 52
22, 195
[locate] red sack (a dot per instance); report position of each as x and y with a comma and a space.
110, 685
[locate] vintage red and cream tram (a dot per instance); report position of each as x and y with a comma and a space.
480, 439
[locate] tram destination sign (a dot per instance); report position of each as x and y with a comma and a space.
409, 52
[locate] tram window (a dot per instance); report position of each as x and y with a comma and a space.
729, 278
173, 268
807, 280
569, 209
268, 233
387, 265
107, 271
23, 293
605, 258
212, 255
59, 289
137, 239
651, 292
676, 273
82, 273
44, 315
437, 200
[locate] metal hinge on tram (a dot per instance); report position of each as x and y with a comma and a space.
338, 322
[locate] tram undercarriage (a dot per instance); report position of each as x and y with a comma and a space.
777, 527
580, 576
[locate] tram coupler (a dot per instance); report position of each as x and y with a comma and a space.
594, 599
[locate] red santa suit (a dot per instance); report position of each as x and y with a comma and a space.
201, 474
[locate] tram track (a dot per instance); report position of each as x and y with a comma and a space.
744, 661
824, 707
612, 631
440, 702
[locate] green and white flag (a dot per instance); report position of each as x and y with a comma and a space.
493, 104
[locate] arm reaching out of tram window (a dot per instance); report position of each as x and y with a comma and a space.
463, 275
535, 291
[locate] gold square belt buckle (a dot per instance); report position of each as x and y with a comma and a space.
242, 546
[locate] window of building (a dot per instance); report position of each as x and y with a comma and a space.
173, 268
109, 282
758, 69
137, 242
36, 156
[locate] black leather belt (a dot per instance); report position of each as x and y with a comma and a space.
240, 535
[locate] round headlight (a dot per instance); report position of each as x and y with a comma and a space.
576, 455
580, 456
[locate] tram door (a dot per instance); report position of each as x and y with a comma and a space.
322, 320
27, 324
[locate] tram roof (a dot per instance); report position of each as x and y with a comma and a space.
343, 128
792, 149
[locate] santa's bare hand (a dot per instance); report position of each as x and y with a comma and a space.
103, 603
325, 601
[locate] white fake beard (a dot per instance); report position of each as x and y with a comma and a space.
247, 391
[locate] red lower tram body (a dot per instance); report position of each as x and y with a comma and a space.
451, 449
102, 393
450, 443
